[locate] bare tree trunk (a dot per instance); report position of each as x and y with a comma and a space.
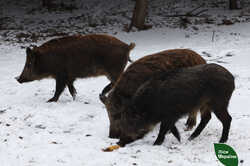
140, 12
139, 15
233, 4
47, 4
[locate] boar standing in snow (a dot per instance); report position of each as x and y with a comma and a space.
139, 72
68, 58
169, 96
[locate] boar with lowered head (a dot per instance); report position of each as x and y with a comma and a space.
68, 58
139, 72
169, 96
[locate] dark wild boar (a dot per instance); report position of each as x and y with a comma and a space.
68, 58
169, 96
139, 72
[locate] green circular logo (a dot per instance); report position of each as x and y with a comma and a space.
226, 154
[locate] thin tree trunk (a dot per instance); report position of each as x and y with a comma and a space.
233, 4
139, 15
47, 4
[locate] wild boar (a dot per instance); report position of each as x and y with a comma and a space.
68, 58
139, 72
169, 96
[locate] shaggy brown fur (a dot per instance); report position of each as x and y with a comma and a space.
68, 58
170, 95
139, 72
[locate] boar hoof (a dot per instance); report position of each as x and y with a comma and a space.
191, 138
157, 143
52, 100
74, 97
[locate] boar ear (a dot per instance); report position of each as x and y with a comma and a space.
103, 99
28, 51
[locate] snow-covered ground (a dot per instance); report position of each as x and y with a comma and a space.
73, 133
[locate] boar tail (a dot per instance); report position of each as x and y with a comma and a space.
131, 47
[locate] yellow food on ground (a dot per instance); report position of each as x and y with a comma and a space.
111, 148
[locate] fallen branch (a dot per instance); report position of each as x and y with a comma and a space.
190, 13
202, 11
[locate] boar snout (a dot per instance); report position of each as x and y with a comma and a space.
21, 79
17, 78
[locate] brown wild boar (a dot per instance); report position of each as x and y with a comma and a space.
139, 72
68, 58
171, 95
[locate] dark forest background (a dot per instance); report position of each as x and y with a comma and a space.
29, 21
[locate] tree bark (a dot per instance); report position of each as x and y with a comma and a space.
139, 15
47, 4
233, 4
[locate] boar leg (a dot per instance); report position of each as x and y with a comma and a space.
225, 119
164, 128
176, 133
72, 89
107, 88
205, 117
191, 122
60, 86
